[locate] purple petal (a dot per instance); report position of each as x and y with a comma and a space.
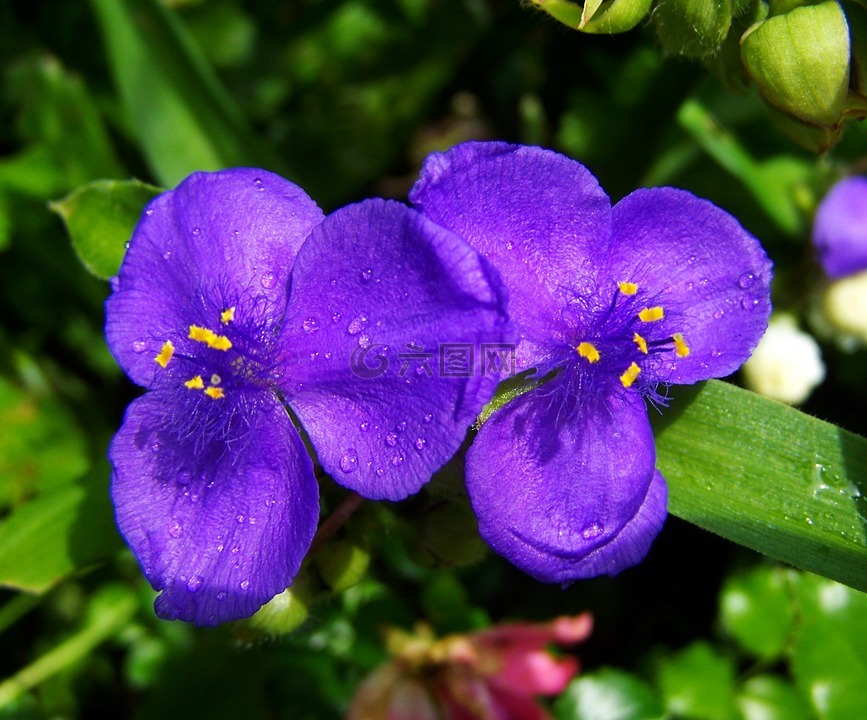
219, 528
379, 293
562, 488
711, 277
541, 219
226, 235
840, 228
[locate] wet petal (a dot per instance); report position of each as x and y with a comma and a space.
380, 295
230, 234
541, 219
712, 278
554, 482
840, 228
220, 530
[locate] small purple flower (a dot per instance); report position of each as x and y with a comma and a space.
226, 318
840, 228
610, 303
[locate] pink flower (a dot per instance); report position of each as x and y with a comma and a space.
493, 674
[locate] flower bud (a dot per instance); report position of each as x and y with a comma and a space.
284, 612
342, 564
595, 16
800, 62
693, 28
844, 307
449, 536
787, 365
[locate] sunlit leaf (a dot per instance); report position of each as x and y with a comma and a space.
767, 476
698, 683
608, 694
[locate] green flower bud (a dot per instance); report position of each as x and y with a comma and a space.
800, 62
693, 28
449, 536
342, 564
284, 612
812, 137
604, 17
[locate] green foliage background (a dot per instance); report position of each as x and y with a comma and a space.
346, 98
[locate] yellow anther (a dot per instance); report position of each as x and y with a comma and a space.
680, 346
641, 342
629, 375
195, 383
628, 288
588, 351
214, 393
165, 354
651, 314
227, 316
209, 338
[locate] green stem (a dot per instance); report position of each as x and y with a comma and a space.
17, 608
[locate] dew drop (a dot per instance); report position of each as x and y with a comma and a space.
364, 341
310, 325
194, 583
270, 502
258, 184
510, 245
349, 460
747, 280
222, 595
391, 439
139, 346
268, 281
196, 231
379, 472
335, 317
718, 314
357, 325
420, 443
428, 419
240, 518
691, 259
175, 529
155, 447
236, 549
149, 212
593, 530
167, 254
244, 584
251, 520
365, 426
366, 274
184, 477
749, 303
327, 355
397, 460
221, 547
400, 427
690, 285
126, 245
195, 497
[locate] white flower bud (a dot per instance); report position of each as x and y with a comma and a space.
787, 365
844, 306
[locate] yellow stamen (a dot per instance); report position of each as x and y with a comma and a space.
209, 338
165, 354
629, 375
680, 346
641, 342
588, 351
214, 393
651, 314
195, 383
628, 288
227, 316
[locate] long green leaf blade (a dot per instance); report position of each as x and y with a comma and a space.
768, 477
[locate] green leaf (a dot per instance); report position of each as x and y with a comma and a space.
100, 218
183, 117
757, 609
767, 697
698, 683
767, 476
63, 530
608, 694
829, 658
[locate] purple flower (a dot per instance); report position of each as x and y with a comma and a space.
226, 319
840, 228
610, 303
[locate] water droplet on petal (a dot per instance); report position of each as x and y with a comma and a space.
335, 317
149, 212
167, 254
155, 447
397, 460
349, 460
251, 520
268, 280
310, 325
259, 185
184, 477
357, 325
270, 502
380, 472
364, 341
240, 518
196, 231
420, 443
366, 275
718, 314
593, 530
391, 439
428, 419
749, 303
244, 584
220, 547
139, 346
175, 529
194, 583
365, 426
400, 427
510, 245
747, 280
222, 595
126, 245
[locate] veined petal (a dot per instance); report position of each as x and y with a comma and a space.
225, 234
711, 276
541, 219
221, 530
379, 296
840, 228
555, 481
